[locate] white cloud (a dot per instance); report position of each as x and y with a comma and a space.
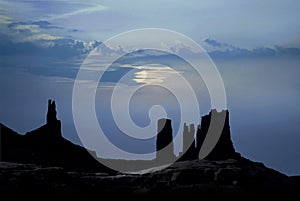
5, 19
23, 27
41, 36
152, 74
91, 9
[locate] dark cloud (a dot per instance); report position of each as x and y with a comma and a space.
60, 57
45, 25
74, 30
223, 50
263, 52
40, 24
212, 42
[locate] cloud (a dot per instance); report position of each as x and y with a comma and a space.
5, 19
24, 28
41, 24
25, 46
28, 45
88, 10
261, 52
42, 36
74, 30
34, 36
45, 24
46, 45
213, 42
30, 31
223, 50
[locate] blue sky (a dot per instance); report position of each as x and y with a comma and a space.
254, 44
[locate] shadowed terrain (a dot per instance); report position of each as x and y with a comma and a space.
42, 162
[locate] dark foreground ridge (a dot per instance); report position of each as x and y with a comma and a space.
43, 163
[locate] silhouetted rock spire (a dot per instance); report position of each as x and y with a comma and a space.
164, 141
53, 124
52, 128
189, 143
188, 135
51, 113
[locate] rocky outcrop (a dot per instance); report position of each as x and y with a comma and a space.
46, 146
164, 141
189, 144
56, 168
188, 136
52, 128
51, 113
223, 149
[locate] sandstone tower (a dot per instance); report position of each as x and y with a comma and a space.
164, 141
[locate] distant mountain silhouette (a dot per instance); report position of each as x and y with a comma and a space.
46, 146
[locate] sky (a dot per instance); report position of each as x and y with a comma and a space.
253, 44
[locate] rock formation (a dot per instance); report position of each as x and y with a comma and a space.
51, 113
55, 168
46, 146
189, 143
188, 136
164, 141
223, 149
